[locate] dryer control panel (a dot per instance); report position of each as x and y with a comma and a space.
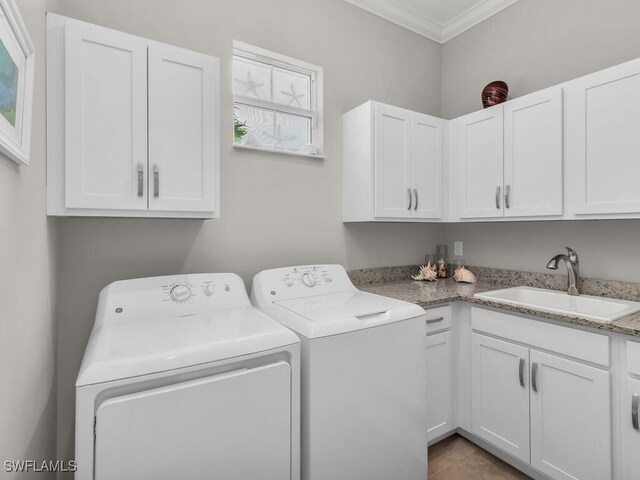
301, 281
174, 295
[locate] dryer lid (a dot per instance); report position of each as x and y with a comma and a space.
149, 345
341, 312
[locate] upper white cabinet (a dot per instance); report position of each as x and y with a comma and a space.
132, 125
602, 141
393, 164
510, 158
480, 163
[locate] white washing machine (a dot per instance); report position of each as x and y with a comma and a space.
183, 378
363, 374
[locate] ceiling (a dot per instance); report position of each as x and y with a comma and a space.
439, 20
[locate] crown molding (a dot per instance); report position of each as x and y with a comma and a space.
427, 27
473, 16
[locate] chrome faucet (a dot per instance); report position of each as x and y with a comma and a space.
573, 265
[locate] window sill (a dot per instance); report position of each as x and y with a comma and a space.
278, 151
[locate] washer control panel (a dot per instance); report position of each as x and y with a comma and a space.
300, 281
190, 292
307, 276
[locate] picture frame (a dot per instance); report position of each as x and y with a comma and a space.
17, 64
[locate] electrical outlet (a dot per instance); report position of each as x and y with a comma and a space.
457, 249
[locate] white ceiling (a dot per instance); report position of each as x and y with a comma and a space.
439, 20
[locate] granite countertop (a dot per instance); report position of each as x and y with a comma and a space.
429, 294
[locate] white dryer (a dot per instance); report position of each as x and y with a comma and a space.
364, 361
183, 378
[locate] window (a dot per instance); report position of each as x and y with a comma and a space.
277, 102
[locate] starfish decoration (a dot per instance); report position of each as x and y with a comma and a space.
279, 138
250, 86
294, 97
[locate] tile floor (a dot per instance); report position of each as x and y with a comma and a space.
455, 458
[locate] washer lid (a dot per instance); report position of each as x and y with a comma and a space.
149, 345
331, 314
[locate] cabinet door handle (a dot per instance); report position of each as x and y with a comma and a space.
507, 194
635, 403
156, 180
534, 375
415, 192
521, 372
410, 199
140, 169
498, 189
435, 320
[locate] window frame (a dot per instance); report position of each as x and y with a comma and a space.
315, 113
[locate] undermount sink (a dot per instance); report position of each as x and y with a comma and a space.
585, 306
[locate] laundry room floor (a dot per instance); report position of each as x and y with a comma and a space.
455, 458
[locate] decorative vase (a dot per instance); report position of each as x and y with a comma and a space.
494, 93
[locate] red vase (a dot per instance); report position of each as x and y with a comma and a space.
494, 93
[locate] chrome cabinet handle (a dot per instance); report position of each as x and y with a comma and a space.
507, 194
140, 168
498, 189
435, 320
410, 199
534, 374
156, 180
635, 403
521, 372
415, 192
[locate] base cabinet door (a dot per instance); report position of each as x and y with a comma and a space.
570, 419
631, 430
500, 394
439, 393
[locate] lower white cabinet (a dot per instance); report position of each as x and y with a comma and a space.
439, 393
631, 430
570, 419
542, 409
500, 394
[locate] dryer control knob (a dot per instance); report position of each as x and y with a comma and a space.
209, 289
308, 279
288, 281
180, 293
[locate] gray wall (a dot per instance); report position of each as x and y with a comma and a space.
276, 210
27, 267
532, 45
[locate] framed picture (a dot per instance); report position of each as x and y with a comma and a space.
17, 57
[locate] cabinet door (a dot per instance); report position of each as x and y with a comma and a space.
533, 143
105, 118
500, 394
631, 430
427, 136
603, 145
570, 419
439, 394
480, 157
183, 130
392, 162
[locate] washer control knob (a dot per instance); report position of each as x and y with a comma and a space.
326, 277
180, 293
288, 281
209, 289
308, 279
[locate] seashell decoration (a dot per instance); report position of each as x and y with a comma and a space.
462, 275
427, 273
